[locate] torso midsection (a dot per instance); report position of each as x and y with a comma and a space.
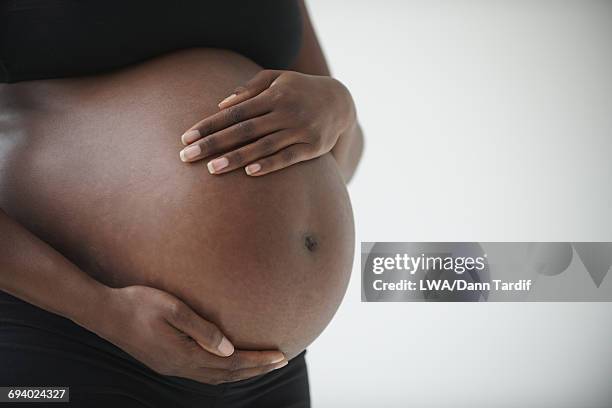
91, 166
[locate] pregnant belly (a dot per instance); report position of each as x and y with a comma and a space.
91, 166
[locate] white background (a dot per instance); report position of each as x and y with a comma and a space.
484, 121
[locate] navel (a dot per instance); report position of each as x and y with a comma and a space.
310, 242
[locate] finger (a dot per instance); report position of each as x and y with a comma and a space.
231, 137
217, 376
259, 149
240, 359
286, 157
255, 86
251, 108
205, 333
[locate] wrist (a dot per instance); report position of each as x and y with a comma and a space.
95, 314
346, 109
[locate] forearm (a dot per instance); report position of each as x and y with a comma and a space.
33, 271
310, 60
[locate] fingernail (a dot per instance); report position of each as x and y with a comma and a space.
190, 136
252, 168
281, 365
190, 152
217, 164
225, 347
278, 360
226, 100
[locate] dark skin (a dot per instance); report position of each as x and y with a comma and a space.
152, 325
288, 117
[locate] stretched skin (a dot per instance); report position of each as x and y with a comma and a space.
91, 166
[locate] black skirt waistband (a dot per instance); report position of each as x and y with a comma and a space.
18, 313
61, 335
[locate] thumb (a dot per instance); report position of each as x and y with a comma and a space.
256, 85
205, 333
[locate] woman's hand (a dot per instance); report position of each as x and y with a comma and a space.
277, 119
165, 334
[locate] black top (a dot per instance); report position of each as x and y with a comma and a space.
62, 38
